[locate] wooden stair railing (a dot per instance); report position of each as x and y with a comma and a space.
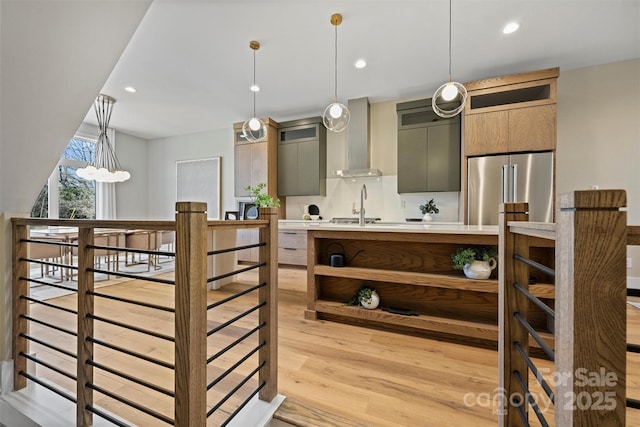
589, 314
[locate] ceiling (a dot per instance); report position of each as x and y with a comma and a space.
191, 63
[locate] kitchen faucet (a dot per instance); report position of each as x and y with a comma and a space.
363, 196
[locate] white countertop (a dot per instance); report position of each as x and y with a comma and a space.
399, 227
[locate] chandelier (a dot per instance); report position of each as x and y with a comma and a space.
106, 167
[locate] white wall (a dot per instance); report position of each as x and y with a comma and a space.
163, 154
599, 135
49, 80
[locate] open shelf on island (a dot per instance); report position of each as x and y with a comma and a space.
438, 280
414, 272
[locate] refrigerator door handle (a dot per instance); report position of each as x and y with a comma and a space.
505, 184
514, 179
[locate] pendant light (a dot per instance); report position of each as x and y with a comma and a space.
106, 167
254, 129
450, 98
336, 116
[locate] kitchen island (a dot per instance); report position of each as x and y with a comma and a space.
410, 267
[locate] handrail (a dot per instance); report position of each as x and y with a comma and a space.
189, 338
589, 314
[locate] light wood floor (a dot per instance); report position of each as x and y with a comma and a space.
364, 376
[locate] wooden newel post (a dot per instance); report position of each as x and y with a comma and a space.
511, 301
269, 313
84, 394
191, 314
20, 305
591, 309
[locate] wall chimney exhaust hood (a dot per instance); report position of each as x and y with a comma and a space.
358, 141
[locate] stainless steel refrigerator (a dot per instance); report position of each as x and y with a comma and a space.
510, 178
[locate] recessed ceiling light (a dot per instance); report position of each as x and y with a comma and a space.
130, 89
361, 63
255, 88
511, 27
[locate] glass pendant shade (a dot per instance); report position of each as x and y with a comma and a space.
254, 129
106, 167
450, 98
336, 116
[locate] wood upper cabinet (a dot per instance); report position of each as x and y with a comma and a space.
256, 162
511, 114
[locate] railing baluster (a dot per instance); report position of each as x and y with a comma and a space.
20, 305
85, 327
509, 302
191, 314
268, 274
591, 308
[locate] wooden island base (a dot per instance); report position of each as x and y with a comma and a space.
413, 271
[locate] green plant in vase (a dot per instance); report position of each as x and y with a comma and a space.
477, 262
429, 209
262, 200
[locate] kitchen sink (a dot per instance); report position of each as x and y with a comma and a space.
351, 220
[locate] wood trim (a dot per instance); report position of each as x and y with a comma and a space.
543, 230
19, 305
493, 82
84, 370
191, 314
633, 235
269, 313
510, 301
591, 304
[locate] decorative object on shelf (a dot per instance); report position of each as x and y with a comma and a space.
428, 209
366, 296
336, 116
106, 167
254, 129
451, 92
262, 200
476, 262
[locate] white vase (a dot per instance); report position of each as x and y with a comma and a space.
427, 217
372, 302
479, 269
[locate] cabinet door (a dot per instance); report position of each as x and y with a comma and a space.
412, 160
308, 168
247, 237
242, 169
287, 169
258, 163
443, 158
532, 129
486, 133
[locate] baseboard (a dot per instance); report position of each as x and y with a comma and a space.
633, 282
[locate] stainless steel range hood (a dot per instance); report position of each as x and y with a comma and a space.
358, 141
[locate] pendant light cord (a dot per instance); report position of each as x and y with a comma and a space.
254, 82
450, 40
336, 62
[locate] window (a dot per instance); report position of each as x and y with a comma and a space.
66, 195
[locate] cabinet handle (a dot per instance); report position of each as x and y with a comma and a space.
289, 249
288, 232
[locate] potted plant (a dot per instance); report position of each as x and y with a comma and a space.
262, 200
476, 262
366, 297
428, 209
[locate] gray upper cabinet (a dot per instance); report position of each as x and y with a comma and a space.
428, 149
302, 158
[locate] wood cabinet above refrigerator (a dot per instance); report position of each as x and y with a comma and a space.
508, 114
